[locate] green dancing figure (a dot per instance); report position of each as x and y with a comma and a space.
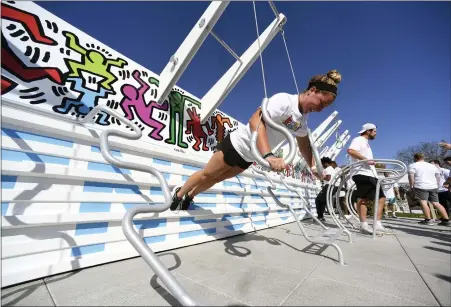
177, 101
91, 61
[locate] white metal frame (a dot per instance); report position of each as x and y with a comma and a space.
325, 136
180, 60
189, 47
216, 95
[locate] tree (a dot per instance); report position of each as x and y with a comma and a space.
379, 165
431, 151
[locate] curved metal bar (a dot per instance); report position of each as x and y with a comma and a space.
291, 141
306, 236
349, 203
402, 171
130, 233
306, 206
329, 203
315, 153
256, 170
399, 173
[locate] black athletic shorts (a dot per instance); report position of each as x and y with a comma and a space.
231, 156
366, 187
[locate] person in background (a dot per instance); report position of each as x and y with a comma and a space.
321, 198
365, 178
448, 160
392, 193
424, 180
445, 145
443, 193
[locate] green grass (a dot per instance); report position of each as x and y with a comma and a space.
413, 215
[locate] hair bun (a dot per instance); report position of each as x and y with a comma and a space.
334, 75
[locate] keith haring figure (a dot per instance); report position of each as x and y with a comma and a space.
219, 122
134, 98
194, 126
177, 101
91, 61
12, 63
85, 102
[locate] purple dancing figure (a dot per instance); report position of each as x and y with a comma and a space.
134, 98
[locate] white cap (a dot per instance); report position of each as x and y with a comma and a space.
367, 126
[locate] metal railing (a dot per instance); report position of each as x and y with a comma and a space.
398, 172
133, 237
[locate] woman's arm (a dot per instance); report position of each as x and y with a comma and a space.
277, 164
262, 140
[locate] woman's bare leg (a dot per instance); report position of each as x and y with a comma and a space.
232, 172
215, 166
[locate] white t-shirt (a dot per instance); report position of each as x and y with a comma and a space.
444, 175
389, 190
337, 169
424, 175
283, 108
361, 145
328, 171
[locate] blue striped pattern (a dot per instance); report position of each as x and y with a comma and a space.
192, 168
283, 214
200, 206
207, 195
156, 191
155, 239
232, 184
192, 221
194, 233
256, 196
235, 226
161, 162
128, 206
8, 182
230, 195
102, 167
258, 214
103, 187
88, 249
153, 223
91, 228
239, 205
115, 153
13, 155
228, 217
4, 208
94, 207
27, 136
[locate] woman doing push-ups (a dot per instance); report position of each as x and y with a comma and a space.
233, 155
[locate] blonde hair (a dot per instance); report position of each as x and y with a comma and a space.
332, 78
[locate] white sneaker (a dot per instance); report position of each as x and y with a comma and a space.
380, 229
366, 229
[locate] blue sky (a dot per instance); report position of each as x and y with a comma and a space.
394, 57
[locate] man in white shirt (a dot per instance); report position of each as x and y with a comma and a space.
365, 177
424, 179
321, 198
391, 193
443, 193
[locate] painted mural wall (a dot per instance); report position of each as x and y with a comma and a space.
49, 65
62, 204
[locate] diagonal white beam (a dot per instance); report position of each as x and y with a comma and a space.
216, 95
189, 47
